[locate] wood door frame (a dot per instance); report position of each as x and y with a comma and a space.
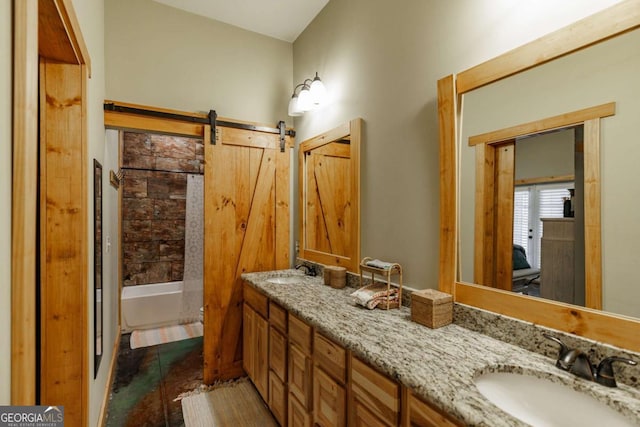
24, 203
140, 123
495, 170
494, 198
47, 29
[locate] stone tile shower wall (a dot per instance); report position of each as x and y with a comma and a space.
154, 199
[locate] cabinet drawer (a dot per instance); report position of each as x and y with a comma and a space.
362, 416
300, 373
278, 399
278, 353
378, 393
258, 301
278, 317
329, 401
330, 357
421, 414
300, 333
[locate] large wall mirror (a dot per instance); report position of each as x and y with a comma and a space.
329, 189
540, 144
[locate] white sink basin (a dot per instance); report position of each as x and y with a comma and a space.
284, 280
541, 402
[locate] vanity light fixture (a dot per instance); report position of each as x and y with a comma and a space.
311, 95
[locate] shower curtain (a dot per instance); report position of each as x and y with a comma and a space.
193, 249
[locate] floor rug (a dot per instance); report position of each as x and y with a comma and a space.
229, 405
147, 337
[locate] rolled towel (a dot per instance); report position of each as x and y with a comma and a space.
376, 263
372, 295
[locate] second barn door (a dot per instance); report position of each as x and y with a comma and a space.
247, 185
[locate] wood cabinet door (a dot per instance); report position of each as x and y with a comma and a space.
300, 367
329, 400
247, 340
278, 398
255, 340
278, 353
261, 355
246, 228
298, 415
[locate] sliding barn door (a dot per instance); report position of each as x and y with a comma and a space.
246, 229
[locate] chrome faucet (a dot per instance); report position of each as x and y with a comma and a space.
577, 362
310, 271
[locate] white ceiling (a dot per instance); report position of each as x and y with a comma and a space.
282, 19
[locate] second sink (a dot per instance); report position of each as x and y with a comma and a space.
542, 402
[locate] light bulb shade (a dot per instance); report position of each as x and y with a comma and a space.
294, 111
305, 103
318, 91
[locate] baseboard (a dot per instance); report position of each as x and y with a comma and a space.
112, 369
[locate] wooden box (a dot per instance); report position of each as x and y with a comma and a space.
431, 308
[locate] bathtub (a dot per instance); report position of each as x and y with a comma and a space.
151, 306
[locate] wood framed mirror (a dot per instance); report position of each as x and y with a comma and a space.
329, 196
612, 25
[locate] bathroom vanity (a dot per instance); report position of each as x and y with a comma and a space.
331, 363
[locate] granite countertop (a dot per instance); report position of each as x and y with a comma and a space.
439, 365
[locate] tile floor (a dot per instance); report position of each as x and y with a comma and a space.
148, 379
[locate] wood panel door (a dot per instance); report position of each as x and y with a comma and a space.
328, 203
246, 228
63, 240
51, 65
